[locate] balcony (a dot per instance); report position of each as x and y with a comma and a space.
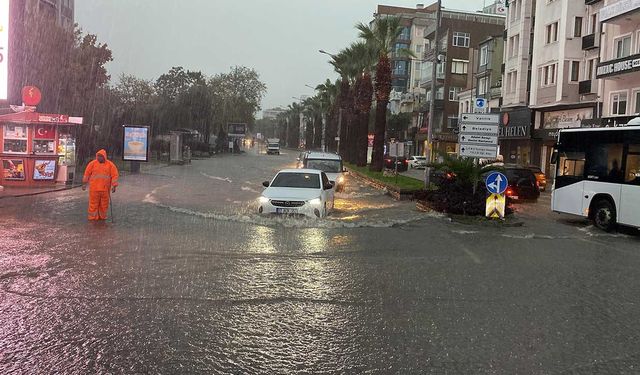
590, 42
426, 78
591, 2
584, 87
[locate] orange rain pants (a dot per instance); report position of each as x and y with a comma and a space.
98, 204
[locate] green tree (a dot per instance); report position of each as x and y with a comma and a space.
381, 36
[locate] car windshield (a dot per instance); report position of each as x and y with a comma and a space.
274, 145
325, 165
297, 180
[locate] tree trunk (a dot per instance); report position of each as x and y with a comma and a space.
377, 157
317, 132
383, 89
362, 145
308, 133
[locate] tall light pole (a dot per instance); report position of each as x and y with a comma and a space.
432, 103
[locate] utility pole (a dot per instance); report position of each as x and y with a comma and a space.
432, 103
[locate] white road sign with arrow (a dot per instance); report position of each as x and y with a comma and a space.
478, 136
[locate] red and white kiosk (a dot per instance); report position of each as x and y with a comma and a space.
37, 149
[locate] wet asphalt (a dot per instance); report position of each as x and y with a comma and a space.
189, 279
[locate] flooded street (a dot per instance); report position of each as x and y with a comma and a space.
189, 279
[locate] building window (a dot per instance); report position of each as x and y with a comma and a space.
637, 41
405, 34
484, 55
514, 81
453, 93
459, 66
551, 33
483, 85
593, 24
440, 93
577, 27
514, 45
590, 69
548, 75
461, 39
400, 67
636, 98
15, 139
619, 103
622, 46
575, 71
419, 48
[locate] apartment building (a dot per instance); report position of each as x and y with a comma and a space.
486, 78
406, 91
459, 32
619, 61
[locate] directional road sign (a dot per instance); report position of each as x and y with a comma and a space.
481, 103
490, 140
496, 183
479, 129
480, 118
482, 152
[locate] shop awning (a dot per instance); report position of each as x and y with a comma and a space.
35, 118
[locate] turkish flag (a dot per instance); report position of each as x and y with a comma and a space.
45, 132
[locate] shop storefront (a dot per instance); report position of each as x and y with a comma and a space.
551, 122
37, 149
515, 136
445, 143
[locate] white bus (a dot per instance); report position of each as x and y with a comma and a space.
598, 175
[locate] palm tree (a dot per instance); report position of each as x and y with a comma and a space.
381, 36
363, 58
327, 94
343, 65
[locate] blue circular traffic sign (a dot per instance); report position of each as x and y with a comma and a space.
496, 183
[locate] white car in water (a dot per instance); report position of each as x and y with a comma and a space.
331, 164
305, 192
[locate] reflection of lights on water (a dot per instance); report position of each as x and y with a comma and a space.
351, 205
350, 218
314, 239
262, 240
340, 240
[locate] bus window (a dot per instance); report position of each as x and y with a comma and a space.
605, 162
571, 164
632, 174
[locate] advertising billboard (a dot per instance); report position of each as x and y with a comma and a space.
13, 169
4, 48
135, 143
44, 170
237, 129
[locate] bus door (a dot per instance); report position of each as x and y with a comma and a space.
569, 183
629, 211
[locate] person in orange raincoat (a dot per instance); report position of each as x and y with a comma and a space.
102, 176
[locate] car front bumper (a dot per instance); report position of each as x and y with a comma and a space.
307, 210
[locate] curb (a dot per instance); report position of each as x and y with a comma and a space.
394, 192
39, 192
474, 220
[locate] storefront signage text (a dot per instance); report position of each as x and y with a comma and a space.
53, 118
617, 9
625, 65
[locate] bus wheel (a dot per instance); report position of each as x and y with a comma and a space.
604, 215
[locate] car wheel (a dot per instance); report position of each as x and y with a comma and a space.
604, 215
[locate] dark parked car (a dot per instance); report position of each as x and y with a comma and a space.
403, 163
523, 184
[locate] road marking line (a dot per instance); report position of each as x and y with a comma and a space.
471, 255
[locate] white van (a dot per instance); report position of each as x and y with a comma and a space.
273, 146
330, 164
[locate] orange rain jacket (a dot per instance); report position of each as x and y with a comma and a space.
101, 176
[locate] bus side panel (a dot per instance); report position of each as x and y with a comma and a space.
591, 188
568, 199
629, 210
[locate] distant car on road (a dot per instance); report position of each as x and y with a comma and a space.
417, 162
540, 177
523, 184
402, 162
305, 192
329, 163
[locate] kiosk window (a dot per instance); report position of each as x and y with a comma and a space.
15, 139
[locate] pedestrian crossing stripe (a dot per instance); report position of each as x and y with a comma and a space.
495, 206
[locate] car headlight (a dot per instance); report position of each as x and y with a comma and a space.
340, 179
315, 201
263, 200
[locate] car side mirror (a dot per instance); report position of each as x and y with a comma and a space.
344, 170
328, 186
298, 159
265, 184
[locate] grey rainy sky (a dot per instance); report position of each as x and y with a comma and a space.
278, 38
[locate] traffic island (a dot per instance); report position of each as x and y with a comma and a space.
508, 222
398, 187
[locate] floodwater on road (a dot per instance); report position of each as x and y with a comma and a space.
189, 279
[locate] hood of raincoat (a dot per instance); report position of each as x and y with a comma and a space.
103, 153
